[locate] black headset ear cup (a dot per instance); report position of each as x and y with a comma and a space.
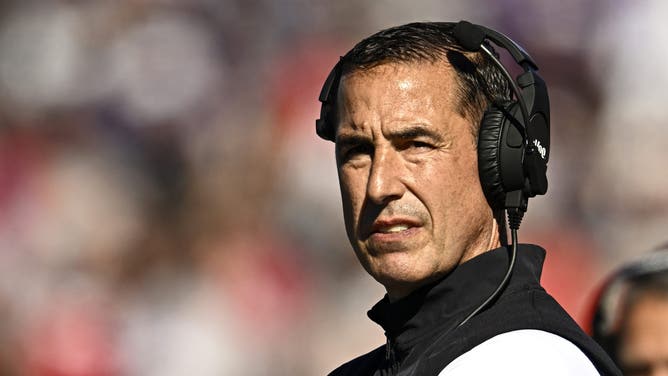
489, 163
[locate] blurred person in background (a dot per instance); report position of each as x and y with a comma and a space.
631, 315
423, 122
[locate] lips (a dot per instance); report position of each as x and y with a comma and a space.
392, 226
393, 229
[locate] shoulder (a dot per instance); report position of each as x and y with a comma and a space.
361, 365
522, 352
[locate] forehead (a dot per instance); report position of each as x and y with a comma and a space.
402, 76
395, 92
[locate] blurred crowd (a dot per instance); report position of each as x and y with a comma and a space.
166, 208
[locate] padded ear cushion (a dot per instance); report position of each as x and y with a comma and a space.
489, 164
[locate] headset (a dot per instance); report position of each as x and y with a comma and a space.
514, 136
604, 317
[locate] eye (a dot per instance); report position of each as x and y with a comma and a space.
416, 146
420, 145
355, 151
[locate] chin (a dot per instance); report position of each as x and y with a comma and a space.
401, 276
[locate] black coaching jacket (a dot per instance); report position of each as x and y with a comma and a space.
421, 329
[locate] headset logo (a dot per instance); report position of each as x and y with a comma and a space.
541, 150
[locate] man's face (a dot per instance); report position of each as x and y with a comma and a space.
407, 164
644, 344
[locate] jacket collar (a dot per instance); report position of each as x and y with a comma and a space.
441, 305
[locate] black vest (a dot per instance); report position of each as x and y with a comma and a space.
421, 329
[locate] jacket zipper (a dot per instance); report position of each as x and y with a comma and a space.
388, 349
389, 352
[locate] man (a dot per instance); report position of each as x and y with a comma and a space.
631, 318
404, 108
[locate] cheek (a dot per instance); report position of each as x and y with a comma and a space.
465, 174
452, 188
450, 175
352, 196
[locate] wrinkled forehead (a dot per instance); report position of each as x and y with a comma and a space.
398, 82
395, 95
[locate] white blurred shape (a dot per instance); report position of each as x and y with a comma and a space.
634, 136
165, 66
627, 191
42, 56
185, 334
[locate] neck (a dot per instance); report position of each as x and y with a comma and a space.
489, 239
494, 236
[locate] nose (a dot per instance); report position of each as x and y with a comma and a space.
385, 178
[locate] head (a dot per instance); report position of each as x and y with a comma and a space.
633, 328
405, 123
643, 337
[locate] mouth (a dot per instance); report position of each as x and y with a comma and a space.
392, 227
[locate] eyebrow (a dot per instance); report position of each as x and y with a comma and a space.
344, 140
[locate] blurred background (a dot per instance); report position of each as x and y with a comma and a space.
166, 208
